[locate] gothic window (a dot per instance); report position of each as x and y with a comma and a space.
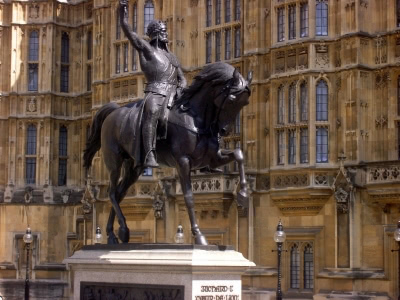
292, 103
235, 164
398, 140
117, 59
304, 145
292, 146
30, 164
64, 76
134, 60
218, 46
34, 46
281, 147
303, 102
148, 14
65, 48
294, 267
237, 10
321, 19
208, 13
322, 101
322, 145
134, 17
89, 78
126, 49
308, 267
62, 153
292, 22
398, 12
118, 26
228, 44
304, 20
33, 77
237, 124
226, 167
218, 12
227, 11
208, 48
281, 24
237, 42
281, 105
64, 79
89, 45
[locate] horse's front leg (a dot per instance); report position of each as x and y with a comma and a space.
224, 157
184, 175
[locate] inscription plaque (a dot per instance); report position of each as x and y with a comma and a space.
217, 290
100, 290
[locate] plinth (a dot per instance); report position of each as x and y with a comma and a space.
156, 271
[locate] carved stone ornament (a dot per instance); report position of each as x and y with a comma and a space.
65, 195
28, 196
31, 105
342, 188
34, 11
158, 206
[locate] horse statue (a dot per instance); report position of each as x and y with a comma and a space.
206, 110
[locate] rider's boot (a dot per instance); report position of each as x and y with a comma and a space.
149, 138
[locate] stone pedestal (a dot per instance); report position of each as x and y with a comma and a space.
157, 271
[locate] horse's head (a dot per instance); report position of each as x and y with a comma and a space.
231, 98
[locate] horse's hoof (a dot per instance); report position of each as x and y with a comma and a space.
200, 240
243, 199
123, 234
112, 239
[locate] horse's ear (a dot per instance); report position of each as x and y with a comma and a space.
236, 77
249, 77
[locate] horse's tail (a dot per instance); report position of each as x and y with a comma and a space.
93, 143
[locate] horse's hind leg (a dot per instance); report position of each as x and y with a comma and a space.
131, 175
184, 175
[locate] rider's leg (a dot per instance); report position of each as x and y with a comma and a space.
151, 114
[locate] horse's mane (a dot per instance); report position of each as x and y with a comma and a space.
215, 74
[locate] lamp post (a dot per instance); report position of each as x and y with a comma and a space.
98, 237
179, 236
279, 238
27, 240
397, 238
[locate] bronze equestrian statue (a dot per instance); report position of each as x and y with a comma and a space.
163, 74
206, 110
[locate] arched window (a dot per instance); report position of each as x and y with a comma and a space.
117, 25
34, 46
292, 103
208, 48
148, 14
237, 42
134, 17
63, 156
218, 46
218, 6
208, 13
89, 78
228, 44
281, 105
65, 48
33, 57
322, 101
237, 10
322, 145
294, 267
292, 146
89, 43
308, 267
227, 11
281, 24
30, 164
321, 20
303, 102
292, 22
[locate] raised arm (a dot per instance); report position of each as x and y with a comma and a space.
136, 41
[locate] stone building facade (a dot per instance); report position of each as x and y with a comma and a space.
320, 136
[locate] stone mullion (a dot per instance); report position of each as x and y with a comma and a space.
312, 129
311, 19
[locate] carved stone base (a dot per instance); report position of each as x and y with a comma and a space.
179, 271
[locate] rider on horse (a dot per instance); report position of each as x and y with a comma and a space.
164, 77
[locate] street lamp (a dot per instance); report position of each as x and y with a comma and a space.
279, 238
27, 240
99, 236
179, 236
397, 238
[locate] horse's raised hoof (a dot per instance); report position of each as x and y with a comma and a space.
243, 199
123, 234
112, 239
